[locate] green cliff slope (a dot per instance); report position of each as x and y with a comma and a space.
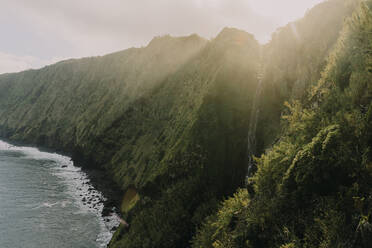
294, 59
167, 122
63, 105
313, 187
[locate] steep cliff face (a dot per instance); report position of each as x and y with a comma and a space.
313, 187
201, 150
63, 105
294, 60
168, 122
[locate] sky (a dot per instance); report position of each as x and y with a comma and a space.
35, 33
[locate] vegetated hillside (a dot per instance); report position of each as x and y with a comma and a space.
313, 188
63, 105
194, 152
294, 59
168, 122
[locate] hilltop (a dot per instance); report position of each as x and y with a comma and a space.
168, 124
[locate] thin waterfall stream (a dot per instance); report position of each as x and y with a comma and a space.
251, 146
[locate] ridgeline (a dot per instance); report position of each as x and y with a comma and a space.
168, 124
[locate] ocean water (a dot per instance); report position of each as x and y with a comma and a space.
45, 201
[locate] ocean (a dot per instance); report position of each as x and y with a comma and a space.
46, 201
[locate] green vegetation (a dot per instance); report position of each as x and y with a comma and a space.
293, 62
169, 123
313, 188
197, 154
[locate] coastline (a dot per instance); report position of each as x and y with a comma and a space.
99, 177
91, 187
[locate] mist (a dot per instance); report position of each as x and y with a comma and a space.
41, 32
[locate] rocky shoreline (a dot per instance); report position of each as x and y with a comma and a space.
100, 181
92, 194
92, 188
99, 178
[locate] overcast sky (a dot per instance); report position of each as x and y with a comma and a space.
35, 33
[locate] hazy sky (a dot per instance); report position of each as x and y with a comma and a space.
39, 32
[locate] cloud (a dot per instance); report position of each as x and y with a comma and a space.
284, 10
46, 29
94, 27
14, 63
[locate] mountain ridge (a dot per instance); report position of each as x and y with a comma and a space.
139, 114
168, 123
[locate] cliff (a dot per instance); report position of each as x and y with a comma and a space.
167, 122
313, 187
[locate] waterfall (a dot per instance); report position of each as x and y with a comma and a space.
251, 147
